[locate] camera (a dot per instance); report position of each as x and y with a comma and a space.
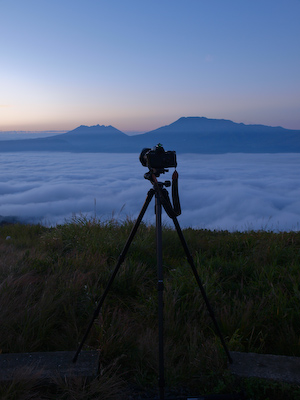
157, 158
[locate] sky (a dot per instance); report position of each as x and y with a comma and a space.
138, 65
235, 192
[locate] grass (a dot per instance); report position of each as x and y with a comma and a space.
52, 278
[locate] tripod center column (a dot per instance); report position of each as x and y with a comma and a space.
160, 288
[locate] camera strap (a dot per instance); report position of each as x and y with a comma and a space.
171, 210
175, 194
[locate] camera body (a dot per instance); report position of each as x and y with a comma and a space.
157, 158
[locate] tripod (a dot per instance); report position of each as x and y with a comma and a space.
161, 199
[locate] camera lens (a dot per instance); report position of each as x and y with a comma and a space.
143, 158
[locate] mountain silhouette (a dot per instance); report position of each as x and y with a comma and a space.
203, 135
98, 138
186, 135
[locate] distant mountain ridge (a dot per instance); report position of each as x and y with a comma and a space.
186, 135
95, 129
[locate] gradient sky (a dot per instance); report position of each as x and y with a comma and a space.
140, 64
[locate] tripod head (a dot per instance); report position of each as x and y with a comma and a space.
172, 210
157, 160
151, 176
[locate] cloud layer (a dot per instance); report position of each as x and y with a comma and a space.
230, 191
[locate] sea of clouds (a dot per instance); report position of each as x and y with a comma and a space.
229, 191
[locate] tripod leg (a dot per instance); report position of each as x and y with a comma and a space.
120, 261
210, 310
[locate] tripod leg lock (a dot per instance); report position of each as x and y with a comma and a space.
160, 286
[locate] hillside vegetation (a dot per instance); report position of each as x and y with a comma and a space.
52, 278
